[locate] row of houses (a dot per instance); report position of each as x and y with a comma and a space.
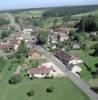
70, 60
13, 41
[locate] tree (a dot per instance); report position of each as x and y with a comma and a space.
15, 79
50, 89
22, 52
87, 24
55, 23
83, 46
65, 19
42, 37
96, 50
74, 36
5, 34
2, 63
30, 93
4, 22
22, 49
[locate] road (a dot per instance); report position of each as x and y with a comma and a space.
76, 80
12, 20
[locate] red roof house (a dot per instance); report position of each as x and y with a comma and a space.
39, 72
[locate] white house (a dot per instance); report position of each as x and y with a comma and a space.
40, 72
75, 61
76, 70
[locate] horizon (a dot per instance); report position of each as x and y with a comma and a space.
34, 4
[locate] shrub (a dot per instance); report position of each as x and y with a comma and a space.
50, 89
15, 79
30, 93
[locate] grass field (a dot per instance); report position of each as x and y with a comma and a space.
94, 13
34, 13
63, 89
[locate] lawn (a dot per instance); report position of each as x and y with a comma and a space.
63, 89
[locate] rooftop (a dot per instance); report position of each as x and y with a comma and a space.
41, 70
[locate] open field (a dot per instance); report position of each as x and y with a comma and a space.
48, 23
94, 13
34, 13
63, 89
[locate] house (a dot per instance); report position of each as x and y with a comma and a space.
54, 70
27, 30
19, 36
93, 33
15, 39
75, 61
9, 26
15, 43
65, 57
76, 70
63, 37
33, 54
52, 41
12, 42
40, 72
55, 37
68, 58
74, 46
6, 47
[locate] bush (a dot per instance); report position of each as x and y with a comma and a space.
50, 89
30, 93
15, 79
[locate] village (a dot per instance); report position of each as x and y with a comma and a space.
71, 60
30, 53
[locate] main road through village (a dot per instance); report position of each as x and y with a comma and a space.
76, 80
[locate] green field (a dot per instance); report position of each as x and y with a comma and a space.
63, 89
48, 23
94, 13
34, 13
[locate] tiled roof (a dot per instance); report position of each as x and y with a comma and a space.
41, 70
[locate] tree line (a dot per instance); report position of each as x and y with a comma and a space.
72, 10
